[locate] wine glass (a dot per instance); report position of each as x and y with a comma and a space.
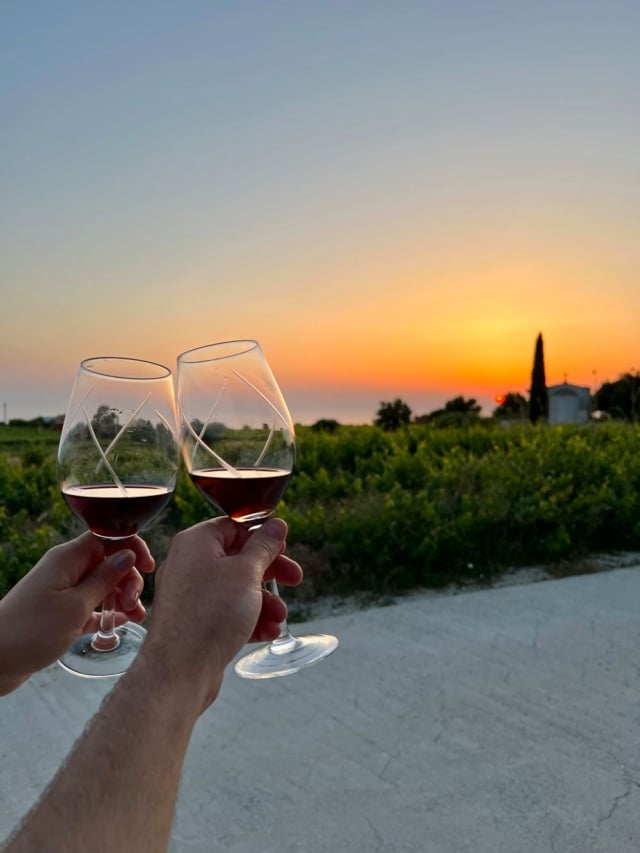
118, 461
238, 444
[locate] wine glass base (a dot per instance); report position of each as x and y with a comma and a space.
85, 660
270, 662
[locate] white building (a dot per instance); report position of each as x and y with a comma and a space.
569, 404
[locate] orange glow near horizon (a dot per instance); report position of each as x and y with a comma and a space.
443, 330
470, 332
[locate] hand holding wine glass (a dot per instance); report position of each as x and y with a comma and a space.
54, 603
118, 461
238, 444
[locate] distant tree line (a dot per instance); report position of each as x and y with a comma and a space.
456, 412
619, 400
38, 423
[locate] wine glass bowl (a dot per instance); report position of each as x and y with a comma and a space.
237, 437
238, 445
118, 460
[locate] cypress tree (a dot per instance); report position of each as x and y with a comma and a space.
538, 404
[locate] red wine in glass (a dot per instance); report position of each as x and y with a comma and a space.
244, 494
109, 513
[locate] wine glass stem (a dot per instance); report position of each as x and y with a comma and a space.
285, 640
106, 638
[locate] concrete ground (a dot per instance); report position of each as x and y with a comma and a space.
497, 721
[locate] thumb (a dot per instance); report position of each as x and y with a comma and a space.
267, 543
107, 574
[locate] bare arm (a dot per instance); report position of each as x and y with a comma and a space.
118, 787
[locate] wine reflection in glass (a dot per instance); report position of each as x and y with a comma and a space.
118, 460
238, 444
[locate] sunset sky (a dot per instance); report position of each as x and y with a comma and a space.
393, 197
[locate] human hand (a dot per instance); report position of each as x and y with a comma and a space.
209, 601
55, 602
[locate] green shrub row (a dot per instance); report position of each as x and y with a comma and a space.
380, 512
33, 516
428, 507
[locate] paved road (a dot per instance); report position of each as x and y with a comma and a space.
498, 721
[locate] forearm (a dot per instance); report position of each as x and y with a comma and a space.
119, 785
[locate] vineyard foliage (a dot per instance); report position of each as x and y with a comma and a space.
33, 516
384, 512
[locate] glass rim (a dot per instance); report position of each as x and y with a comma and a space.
219, 351
89, 365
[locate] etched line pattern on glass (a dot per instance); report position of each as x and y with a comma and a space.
104, 453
